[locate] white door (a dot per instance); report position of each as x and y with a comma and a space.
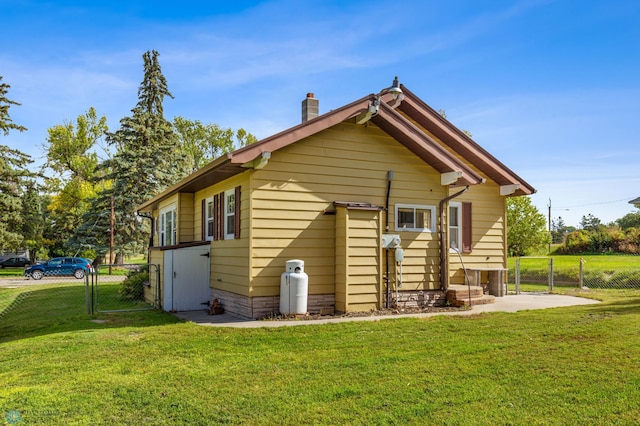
186, 279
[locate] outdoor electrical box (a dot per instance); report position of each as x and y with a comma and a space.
390, 241
399, 255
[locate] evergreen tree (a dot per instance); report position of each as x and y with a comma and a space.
147, 159
6, 123
13, 174
33, 220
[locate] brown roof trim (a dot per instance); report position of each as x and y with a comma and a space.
301, 131
423, 145
215, 171
450, 135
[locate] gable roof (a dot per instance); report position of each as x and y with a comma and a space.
392, 119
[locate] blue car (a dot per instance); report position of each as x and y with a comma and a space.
77, 267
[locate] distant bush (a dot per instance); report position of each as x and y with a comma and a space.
132, 288
602, 240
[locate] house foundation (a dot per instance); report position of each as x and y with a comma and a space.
269, 306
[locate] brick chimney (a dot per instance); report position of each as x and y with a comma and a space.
310, 108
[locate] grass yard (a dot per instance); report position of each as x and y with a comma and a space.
562, 366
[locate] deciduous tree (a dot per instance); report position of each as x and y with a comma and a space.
203, 143
72, 157
526, 227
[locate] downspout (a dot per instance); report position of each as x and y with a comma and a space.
150, 217
386, 230
444, 250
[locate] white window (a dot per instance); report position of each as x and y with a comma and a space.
455, 228
229, 214
209, 218
168, 235
415, 218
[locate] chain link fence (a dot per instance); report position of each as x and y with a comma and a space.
542, 274
119, 288
27, 304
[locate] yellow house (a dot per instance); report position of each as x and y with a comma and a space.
383, 199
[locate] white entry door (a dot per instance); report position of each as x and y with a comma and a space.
186, 279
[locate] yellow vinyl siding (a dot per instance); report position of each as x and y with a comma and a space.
358, 260
488, 239
185, 218
348, 162
230, 262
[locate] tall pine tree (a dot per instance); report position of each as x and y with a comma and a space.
147, 159
13, 174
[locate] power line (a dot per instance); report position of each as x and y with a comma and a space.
595, 204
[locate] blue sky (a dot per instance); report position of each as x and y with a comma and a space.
551, 88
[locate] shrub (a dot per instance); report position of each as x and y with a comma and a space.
577, 242
132, 288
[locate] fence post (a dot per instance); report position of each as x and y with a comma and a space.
550, 274
518, 276
581, 280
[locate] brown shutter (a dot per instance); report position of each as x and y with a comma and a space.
222, 201
467, 229
215, 216
236, 213
203, 220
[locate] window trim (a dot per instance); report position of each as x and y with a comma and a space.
458, 206
209, 218
465, 227
172, 209
432, 224
229, 231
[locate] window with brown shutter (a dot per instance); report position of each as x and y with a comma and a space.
467, 229
216, 219
236, 214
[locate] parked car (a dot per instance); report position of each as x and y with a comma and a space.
14, 262
77, 267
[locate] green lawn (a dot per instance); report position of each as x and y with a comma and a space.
560, 366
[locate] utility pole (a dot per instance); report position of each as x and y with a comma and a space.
550, 225
112, 223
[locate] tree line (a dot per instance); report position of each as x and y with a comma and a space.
93, 179
527, 233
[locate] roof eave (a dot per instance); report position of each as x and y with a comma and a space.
457, 140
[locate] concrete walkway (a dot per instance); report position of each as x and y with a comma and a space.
511, 303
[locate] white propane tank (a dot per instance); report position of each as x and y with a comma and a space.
294, 287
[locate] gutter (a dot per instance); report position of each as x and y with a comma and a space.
444, 250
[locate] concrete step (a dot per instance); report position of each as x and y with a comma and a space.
484, 300
462, 295
462, 291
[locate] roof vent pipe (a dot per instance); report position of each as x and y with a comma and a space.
310, 108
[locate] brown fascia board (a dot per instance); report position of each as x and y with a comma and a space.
214, 172
450, 135
301, 131
231, 164
423, 146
